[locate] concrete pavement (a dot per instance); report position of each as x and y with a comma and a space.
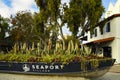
109, 76
113, 74
115, 68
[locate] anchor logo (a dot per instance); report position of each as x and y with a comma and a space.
26, 67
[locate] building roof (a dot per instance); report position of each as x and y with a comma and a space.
104, 40
101, 40
108, 19
112, 16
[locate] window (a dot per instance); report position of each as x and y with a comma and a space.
90, 35
108, 27
95, 32
107, 51
101, 32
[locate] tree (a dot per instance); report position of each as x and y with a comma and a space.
41, 31
79, 15
46, 21
22, 29
4, 27
83, 15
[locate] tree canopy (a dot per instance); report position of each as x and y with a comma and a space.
48, 23
83, 15
22, 27
4, 27
79, 15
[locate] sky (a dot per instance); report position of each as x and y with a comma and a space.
8, 7
106, 3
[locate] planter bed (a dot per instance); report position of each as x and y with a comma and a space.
71, 69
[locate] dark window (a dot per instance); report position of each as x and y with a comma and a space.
90, 35
107, 51
108, 27
95, 32
101, 32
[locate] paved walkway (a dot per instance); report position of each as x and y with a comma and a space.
113, 74
109, 76
115, 69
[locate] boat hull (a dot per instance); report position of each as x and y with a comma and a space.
71, 69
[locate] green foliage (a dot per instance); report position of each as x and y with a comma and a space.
26, 53
94, 63
86, 51
47, 24
22, 27
4, 27
38, 52
83, 15
42, 30
46, 20
80, 17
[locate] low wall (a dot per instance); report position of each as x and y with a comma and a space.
6, 76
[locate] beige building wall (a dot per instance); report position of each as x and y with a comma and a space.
114, 32
118, 37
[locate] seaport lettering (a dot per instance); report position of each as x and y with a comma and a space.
47, 67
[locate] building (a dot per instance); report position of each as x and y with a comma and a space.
107, 42
113, 9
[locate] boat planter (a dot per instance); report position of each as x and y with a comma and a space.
72, 61
85, 69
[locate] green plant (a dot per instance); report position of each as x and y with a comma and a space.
40, 53
86, 51
94, 63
